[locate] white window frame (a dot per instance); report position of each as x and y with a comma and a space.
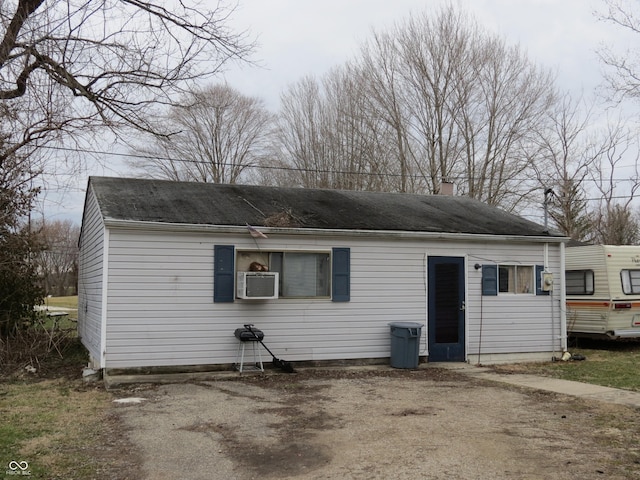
531, 290
587, 281
262, 255
630, 286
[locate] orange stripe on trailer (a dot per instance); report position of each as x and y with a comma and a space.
591, 303
585, 303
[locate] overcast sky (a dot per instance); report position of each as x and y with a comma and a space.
302, 37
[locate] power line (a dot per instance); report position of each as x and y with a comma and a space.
294, 169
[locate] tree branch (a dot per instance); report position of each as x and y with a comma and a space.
24, 10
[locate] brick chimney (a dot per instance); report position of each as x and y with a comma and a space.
446, 188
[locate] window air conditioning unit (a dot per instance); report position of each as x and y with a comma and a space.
257, 285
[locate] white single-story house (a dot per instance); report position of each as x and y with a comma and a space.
163, 279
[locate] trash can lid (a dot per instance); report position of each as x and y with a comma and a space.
406, 324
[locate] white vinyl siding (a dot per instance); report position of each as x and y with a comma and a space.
90, 278
161, 310
507, 324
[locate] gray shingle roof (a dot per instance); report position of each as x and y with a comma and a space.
237, 205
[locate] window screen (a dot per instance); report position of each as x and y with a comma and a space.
579, 282
302, 274
515, 279
630, 281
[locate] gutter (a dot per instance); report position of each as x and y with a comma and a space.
317, 232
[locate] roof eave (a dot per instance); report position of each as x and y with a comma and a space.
232, 229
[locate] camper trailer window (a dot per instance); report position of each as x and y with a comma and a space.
515, 279
579, 282
630, 281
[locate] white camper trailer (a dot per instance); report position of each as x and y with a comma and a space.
603, 291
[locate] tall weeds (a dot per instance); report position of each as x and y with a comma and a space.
26, 349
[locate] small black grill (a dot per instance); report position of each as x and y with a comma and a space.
249, 335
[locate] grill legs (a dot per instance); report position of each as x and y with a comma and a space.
257, 357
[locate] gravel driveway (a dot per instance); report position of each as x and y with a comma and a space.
377, 423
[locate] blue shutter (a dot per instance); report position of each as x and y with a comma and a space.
341, 275
223, 272
539, 291
490, 280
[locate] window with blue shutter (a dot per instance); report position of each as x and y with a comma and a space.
223, 273
341, 275
315, 283
490, 280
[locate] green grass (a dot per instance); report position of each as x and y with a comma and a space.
52, 423
608, 363
62, 302
37, 419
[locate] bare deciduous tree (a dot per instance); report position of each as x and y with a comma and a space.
622, 69
70, 66
352, 136
380, 67
568, 151
614, 221
442, 99
326, 137
617, 225
437, 54
472, 101
215, 135
299, 141
58, 259
509, 97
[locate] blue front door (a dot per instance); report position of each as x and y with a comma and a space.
446, 300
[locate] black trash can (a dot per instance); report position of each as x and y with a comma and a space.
405, 344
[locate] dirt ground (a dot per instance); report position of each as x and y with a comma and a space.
373, 424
